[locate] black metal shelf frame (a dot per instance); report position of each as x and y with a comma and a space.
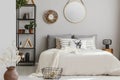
25, 33
30, 63
25, 48
25, 19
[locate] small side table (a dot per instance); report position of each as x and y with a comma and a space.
109, 50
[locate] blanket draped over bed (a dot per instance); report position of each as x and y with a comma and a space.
79, 62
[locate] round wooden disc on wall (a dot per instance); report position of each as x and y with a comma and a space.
50, 16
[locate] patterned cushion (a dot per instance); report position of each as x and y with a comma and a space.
63, 43
51, 39
89, 41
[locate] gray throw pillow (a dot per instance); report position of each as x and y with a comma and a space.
83, 36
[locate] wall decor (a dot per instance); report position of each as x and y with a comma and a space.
28, 43
21, 31
50, 16
74, 11
22, 56
26, 16
20, 45
27, 57
30, 2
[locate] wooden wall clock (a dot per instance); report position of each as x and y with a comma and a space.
50, 16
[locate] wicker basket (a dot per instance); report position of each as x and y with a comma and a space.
51, 73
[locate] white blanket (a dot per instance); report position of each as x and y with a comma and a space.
79, 62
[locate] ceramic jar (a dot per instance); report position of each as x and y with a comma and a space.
11, 73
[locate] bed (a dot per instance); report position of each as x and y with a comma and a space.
78, 56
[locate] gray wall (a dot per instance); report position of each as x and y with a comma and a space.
103, 19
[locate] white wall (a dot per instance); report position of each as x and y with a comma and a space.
7, 23
103, 19
7, 27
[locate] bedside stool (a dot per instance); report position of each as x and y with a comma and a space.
109, 50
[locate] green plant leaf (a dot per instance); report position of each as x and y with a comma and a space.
26, 26
31, 25
20, 3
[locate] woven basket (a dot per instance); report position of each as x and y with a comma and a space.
52, 72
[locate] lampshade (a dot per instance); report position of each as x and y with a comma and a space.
107, 41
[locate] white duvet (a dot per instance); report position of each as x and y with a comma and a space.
79, 62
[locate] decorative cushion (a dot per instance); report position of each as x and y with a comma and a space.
73, 43
58, 46
51, 39
65, 42
88, 41
76, 43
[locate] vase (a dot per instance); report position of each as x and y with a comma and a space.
11, 73
21, 31
31, 31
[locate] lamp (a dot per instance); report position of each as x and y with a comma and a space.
107, 42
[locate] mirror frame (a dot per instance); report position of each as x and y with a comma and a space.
47, 14
79, 1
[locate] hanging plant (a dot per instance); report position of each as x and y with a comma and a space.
20, 3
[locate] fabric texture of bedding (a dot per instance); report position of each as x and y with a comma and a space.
84, 36
88, 43
73, 43
90, 40
79, 62
85, 42
51, 39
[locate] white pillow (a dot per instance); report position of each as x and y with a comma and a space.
77, 43
88, 43
81, 43
65, 42
73, 43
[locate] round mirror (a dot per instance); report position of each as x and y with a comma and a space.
75, 11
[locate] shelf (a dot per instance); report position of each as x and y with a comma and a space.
25, 33
24, 63
29, 5
21, 34
26, 48
25, 19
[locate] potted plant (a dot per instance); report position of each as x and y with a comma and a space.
20, 3
30, 26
